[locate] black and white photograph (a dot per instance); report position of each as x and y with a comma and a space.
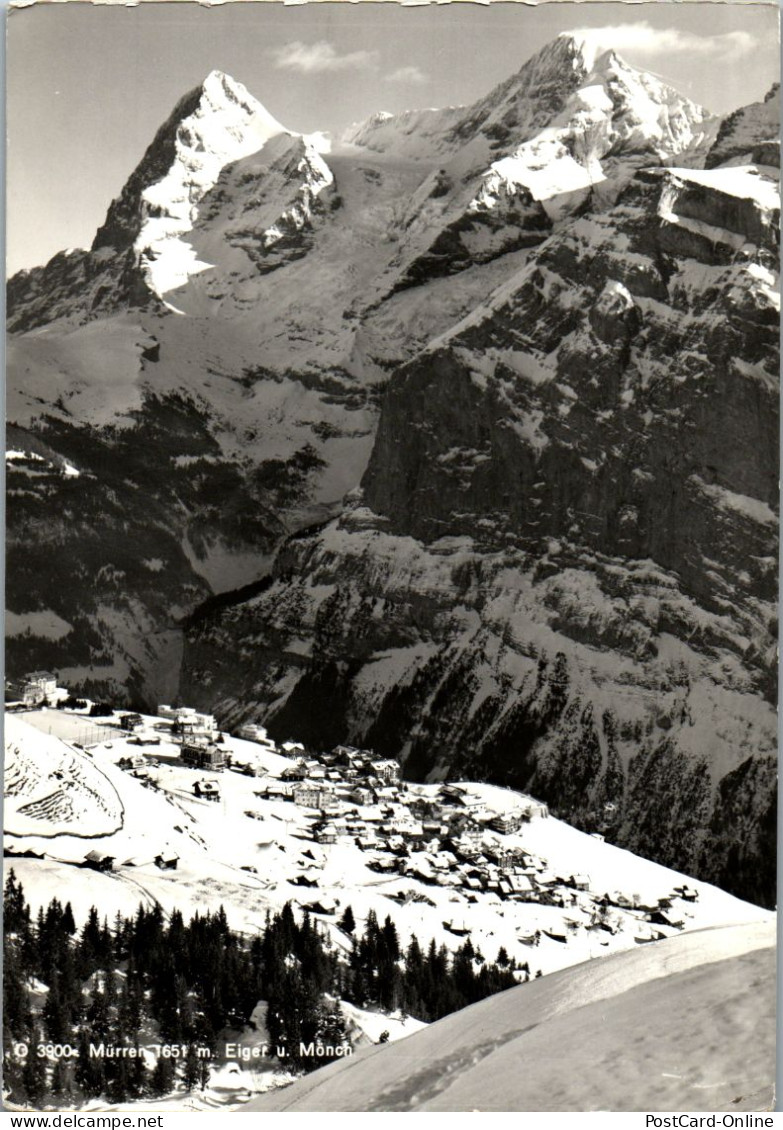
392, 461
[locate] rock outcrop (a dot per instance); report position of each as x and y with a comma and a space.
751, 135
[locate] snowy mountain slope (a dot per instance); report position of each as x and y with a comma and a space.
571, 328
665, 1028
540, 582
50, 789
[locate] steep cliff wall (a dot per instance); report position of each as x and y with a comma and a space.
560, 570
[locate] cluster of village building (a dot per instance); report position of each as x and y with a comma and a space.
449, 838
446, 839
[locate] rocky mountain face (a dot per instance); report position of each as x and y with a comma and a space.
527, 537
560, 569
751, 135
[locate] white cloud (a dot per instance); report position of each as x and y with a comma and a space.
309, 58
643, 39
411, 75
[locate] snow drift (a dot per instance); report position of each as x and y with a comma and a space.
663, 1028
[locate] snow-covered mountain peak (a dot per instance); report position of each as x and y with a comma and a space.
539, 93
219, 85
636, 92
225, 97
589, 48
560, 64
585, 122
225, 124
578, 46
217, 124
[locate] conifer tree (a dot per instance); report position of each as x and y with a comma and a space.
90, 943
130, 1010
55, 1014
13, 1069
34, 1080
332, 1031
347, 922
89, 1072
162, 1078
17, 1015
16, 912
98, 1016
60, 1082
68, 922
139, 1077
34, 1073
190, 1069
204, 1072
118, 1087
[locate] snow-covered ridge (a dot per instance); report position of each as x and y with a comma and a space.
417, 132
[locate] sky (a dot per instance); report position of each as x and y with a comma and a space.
88, 85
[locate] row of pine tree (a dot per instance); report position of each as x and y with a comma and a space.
156, 979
